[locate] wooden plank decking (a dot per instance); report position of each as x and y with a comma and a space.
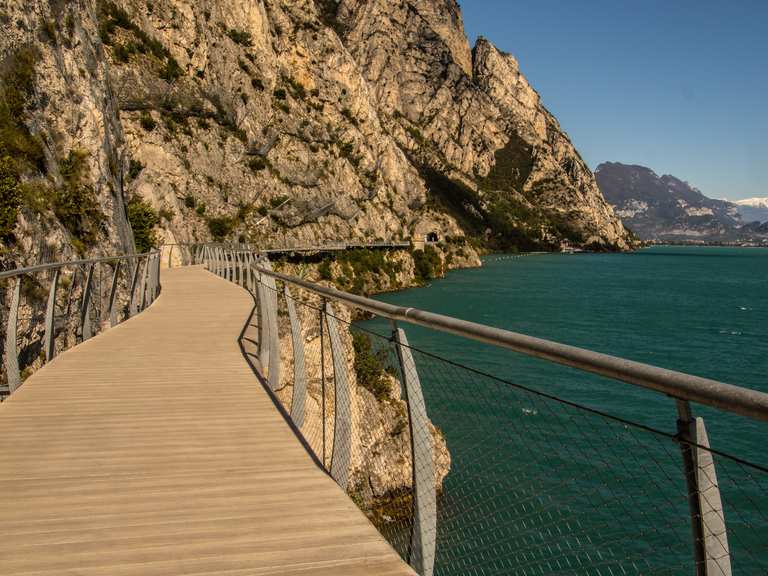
152, 450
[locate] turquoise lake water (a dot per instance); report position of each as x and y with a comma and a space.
607, 488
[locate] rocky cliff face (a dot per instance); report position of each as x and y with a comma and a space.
489, 151
275, 121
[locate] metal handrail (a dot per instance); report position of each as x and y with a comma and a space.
149, 290
53, 265
742, 401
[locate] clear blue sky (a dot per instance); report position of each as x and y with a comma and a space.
680, 86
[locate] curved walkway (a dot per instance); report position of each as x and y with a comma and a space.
152, 450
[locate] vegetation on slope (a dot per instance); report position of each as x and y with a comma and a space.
369, 366
20, 152
143, 219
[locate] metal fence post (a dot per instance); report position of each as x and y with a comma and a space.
85, 319
342, 430
270, 306
157, 278
299, 373
150, 281
113, 294
711, 505
263, 322
249, 272
424, 528
50, 316
11, 351
321, 317
144, 282
133, 304
710, 539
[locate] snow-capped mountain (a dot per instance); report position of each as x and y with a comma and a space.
753, 209
753, 202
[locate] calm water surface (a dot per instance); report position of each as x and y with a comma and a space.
694, 309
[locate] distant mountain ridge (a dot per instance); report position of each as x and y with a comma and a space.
667, 208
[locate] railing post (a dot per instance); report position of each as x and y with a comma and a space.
157, 278
50, 316
710, 538
299, 373
133, 304
424, 528
85, 319
113, 294
11, 351
144, 282
322, 370
270, 307
150, 281
249, 272
254, 274
263, 321
342, 429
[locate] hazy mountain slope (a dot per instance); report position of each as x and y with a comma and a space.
667, 208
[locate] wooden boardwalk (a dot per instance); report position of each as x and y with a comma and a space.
152, 450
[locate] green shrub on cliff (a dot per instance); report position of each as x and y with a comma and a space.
111, 17
221, 227
427, 263
324, 269
74, 203
10, 197
147, 122
143, 219
17, 78
240, 37
369, 366
20, 152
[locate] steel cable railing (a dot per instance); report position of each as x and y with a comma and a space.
51, 307
467, 473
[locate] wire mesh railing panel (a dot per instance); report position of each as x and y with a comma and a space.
541, 486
